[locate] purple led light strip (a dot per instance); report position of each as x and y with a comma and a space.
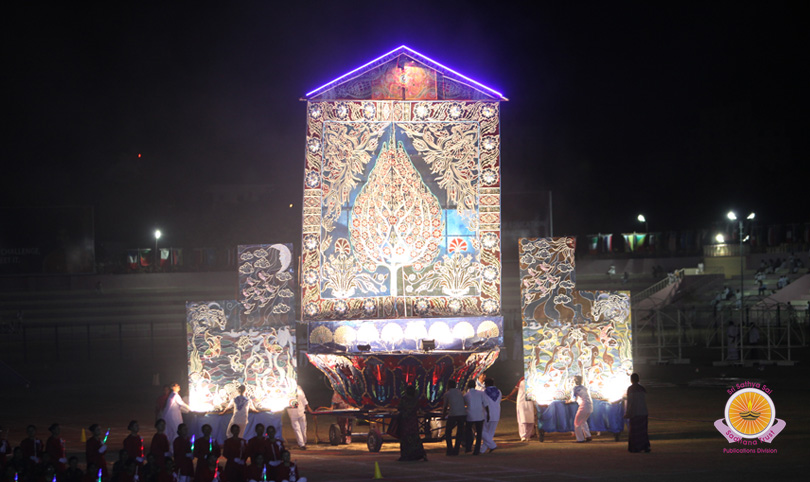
428, 59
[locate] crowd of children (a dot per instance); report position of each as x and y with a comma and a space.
190, 457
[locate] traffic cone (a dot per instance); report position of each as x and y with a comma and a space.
83, 439
377, 474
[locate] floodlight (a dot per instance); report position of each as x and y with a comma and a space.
732, 215
751, 216
641, 218
720, 238
157, 234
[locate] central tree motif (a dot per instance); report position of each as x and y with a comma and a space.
396, 220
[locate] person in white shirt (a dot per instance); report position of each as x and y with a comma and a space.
477, 414
583, 398
525, 411
493, 398
298, 417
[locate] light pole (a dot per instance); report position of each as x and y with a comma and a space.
732, 216
157, 236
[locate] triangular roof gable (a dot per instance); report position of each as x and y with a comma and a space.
355, 84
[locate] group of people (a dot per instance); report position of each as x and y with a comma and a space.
184, 459
473, 415
789, 265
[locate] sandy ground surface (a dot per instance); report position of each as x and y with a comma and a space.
683, 405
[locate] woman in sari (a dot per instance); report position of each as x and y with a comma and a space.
410, 445
636, 414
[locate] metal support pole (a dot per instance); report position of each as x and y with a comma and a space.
679, 336
722, 335
658, 328
152, 339
120, 341
88, 341
56, 340
769, 338
788, 338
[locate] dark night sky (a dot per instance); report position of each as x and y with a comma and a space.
679, 112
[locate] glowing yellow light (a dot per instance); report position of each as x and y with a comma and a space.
367, 333
440, 332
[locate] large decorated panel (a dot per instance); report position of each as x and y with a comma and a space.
223, 354
405, 335
401, 210
266, 285
379, 380
567, 332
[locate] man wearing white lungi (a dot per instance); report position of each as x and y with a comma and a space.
583, 398
173, 413
493, 398
298, 417
525, 411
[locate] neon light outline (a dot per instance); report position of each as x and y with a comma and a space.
424, 58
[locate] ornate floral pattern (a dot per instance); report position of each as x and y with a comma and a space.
410, 185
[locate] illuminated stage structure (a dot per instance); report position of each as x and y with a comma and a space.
250, 341
567, 332
401, 229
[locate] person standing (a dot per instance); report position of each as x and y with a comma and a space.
203, 447
477, 414
242, 406
95, 449
525, 411
55, 448
134, 444
456, 415
173, 414
256, 445
636, 414
234, 452
298, 417
273, 448
345, 423
31, 447
160, 444
183, 454
493, 398
583, 399
410, 444
5, 447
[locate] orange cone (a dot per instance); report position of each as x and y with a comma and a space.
83, 439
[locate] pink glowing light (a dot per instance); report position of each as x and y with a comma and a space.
423, 58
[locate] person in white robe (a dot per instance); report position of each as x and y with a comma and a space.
242, 406
297, 412
525, 411
493, 398
173, 413
583, 398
